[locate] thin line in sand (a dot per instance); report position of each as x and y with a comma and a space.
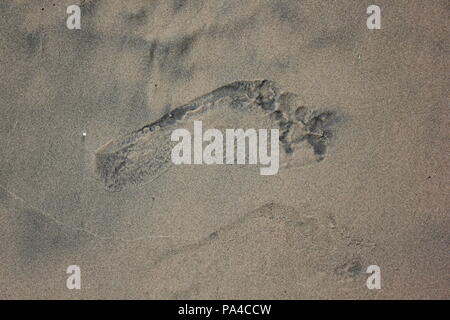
92, 234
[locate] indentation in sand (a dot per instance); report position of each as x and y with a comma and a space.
145, 154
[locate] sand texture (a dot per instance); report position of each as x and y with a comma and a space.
363, 117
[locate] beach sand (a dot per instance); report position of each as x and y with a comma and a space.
377, 196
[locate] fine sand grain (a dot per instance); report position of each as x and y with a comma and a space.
363, 118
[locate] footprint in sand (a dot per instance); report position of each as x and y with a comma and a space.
145, 154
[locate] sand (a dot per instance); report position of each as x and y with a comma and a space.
377, 194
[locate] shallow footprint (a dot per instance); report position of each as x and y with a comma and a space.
145, 154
